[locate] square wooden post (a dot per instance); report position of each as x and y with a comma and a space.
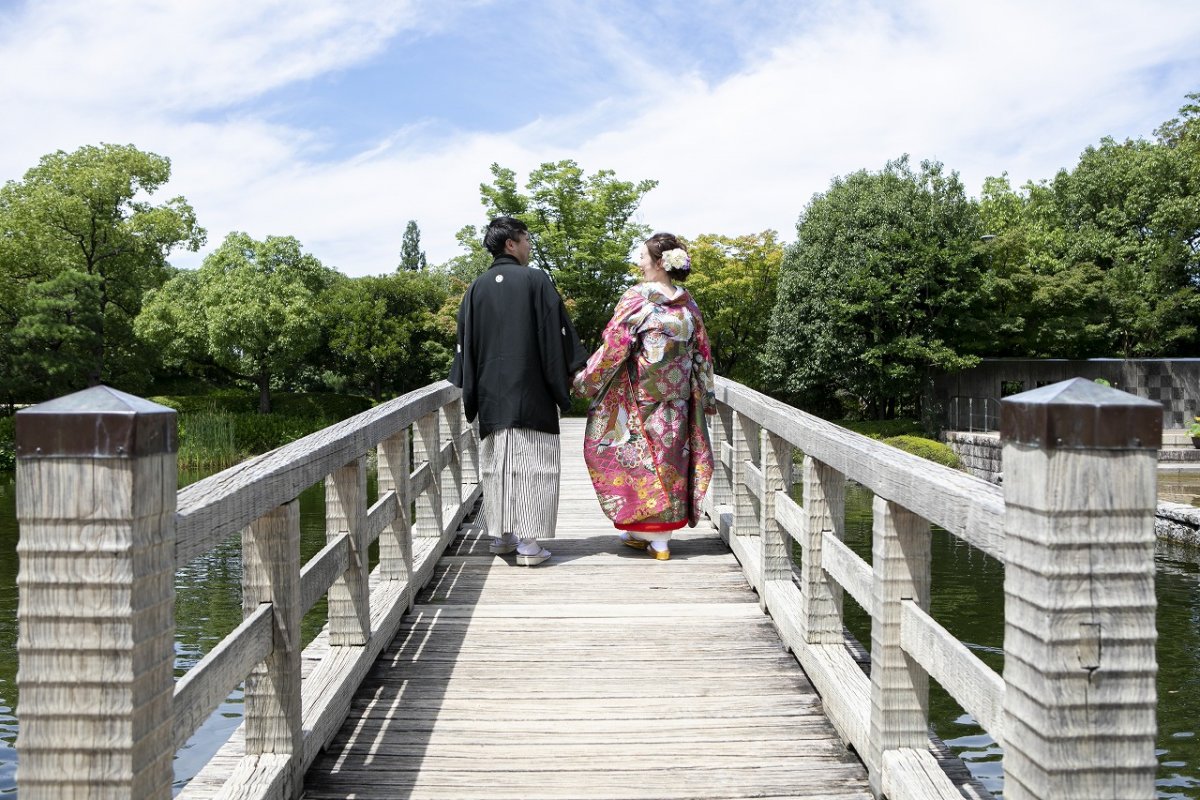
776, 542
428, 523
745, 451
350, 594
271, 574
825, 511
96, 485
719, 491
899, 686
469, 452
395, 470
395, 542
1079, 629
452, 472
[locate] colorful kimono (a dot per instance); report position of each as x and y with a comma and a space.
646, 442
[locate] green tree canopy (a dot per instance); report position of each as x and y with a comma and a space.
472, 262
734, 282
81, 244
884, 265
582, 230
1102, 260
412, 257
384, 331
252, 310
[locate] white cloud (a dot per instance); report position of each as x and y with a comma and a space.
1018, 86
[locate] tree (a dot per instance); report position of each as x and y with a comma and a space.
472, 262
384, 331
82, 246
412, 257
884, 266
1127, 220
582, 230
733, 281
1102, 260
252, 310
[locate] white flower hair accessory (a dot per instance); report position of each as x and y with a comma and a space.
676, 260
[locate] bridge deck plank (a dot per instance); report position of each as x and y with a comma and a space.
601, 674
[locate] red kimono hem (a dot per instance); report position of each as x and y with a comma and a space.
650, 527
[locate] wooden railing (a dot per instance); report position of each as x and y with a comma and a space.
1074, 528
103, 530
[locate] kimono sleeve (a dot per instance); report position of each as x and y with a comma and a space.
704, 383
562, 352
615, 346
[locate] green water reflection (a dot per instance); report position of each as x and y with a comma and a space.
967, 598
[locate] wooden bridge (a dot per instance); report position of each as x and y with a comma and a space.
449, 673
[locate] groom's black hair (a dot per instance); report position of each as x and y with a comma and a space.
499, 231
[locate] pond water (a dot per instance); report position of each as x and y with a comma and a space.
967, 598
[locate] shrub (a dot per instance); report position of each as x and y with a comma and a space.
925, 448
883, 428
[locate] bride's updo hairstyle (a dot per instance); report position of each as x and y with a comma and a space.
674, 256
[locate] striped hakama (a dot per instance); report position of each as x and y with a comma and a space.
520, 482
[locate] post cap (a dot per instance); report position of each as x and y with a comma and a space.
1079, 414
95, 423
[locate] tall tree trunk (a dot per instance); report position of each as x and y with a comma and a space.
264, 392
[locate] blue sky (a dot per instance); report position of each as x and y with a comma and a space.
336, 122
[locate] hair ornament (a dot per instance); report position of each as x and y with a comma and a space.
676, 260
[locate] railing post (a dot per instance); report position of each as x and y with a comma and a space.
350, 594
1079, 629
271, 574
96, 483
899, 686
825, 510
428, 523
745, 449
395, 542
720, 492
470, 452
776, 543
452, 473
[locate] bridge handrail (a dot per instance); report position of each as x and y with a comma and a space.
1079, 478
96, 498
216, 507
968, 507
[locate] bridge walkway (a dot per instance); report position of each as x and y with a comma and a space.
602, 674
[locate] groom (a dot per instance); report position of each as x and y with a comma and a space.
516, 355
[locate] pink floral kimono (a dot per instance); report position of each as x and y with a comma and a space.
646, 442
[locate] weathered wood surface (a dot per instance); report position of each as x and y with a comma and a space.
201, 690
215, 508
1079, 663
95, 625
330, 677
604, 673
967, 507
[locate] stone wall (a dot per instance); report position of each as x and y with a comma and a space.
1178, 523
978, 452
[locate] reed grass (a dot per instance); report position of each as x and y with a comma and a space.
207, 441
